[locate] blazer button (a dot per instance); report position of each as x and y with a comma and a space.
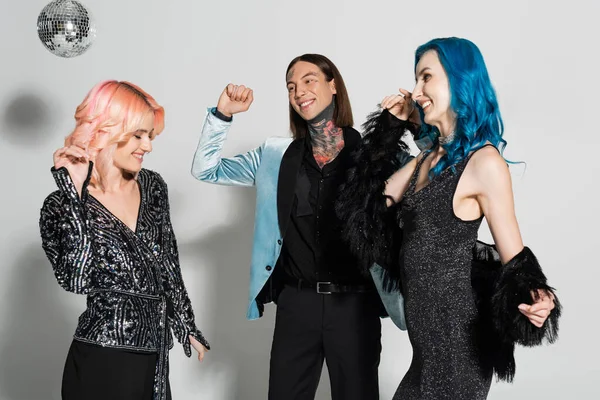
268, 268
279, 242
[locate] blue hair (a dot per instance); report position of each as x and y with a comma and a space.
472, 99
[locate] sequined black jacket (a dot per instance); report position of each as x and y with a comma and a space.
135, 291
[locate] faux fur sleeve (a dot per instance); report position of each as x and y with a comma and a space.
370, 227
500, 289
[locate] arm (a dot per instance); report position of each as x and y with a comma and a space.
180, 313
401, 106
397, 184
521, 281
495, 197
208, 166
65, 232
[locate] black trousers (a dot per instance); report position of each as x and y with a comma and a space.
100, 373
342, 329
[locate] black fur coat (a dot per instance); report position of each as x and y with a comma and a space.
373, 234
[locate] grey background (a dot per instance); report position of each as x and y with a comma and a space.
542, 57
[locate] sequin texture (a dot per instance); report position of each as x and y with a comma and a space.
133, 282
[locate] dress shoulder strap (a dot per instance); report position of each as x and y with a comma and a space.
413, 180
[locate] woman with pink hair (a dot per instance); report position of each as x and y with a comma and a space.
107, 233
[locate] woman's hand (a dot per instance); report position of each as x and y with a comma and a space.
199, 347
538, 312
400, 105
76, 160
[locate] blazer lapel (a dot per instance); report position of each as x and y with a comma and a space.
286, 184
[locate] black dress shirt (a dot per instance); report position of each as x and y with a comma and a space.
312, 247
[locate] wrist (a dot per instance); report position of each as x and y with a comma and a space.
224, 112
400, 117
403, 116
227, 117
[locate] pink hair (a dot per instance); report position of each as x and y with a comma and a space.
110, 114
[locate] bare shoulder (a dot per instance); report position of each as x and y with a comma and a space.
488, 160
487, 163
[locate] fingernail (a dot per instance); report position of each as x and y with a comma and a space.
522, 307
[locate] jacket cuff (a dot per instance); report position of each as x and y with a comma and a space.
499, 291
220, 115
518, 278
65, 183
217, 117
392, 123
187, 346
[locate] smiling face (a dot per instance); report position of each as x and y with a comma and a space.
432, 93
129, 155
309, 91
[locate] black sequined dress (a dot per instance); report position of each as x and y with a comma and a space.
440, 305
135, 291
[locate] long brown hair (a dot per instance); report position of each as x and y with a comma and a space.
342, 115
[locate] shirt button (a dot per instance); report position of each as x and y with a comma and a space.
279, 242
268, 268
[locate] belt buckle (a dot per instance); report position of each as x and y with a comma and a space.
319, 287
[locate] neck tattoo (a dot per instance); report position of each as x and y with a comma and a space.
326, 138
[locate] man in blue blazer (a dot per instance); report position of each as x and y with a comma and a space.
327, 310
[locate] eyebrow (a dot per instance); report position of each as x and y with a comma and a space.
145, 131
308, 74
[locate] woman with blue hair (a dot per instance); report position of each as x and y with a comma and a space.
415, 221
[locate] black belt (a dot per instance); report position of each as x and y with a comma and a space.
329, 287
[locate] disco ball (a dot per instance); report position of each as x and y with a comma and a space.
66, 28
